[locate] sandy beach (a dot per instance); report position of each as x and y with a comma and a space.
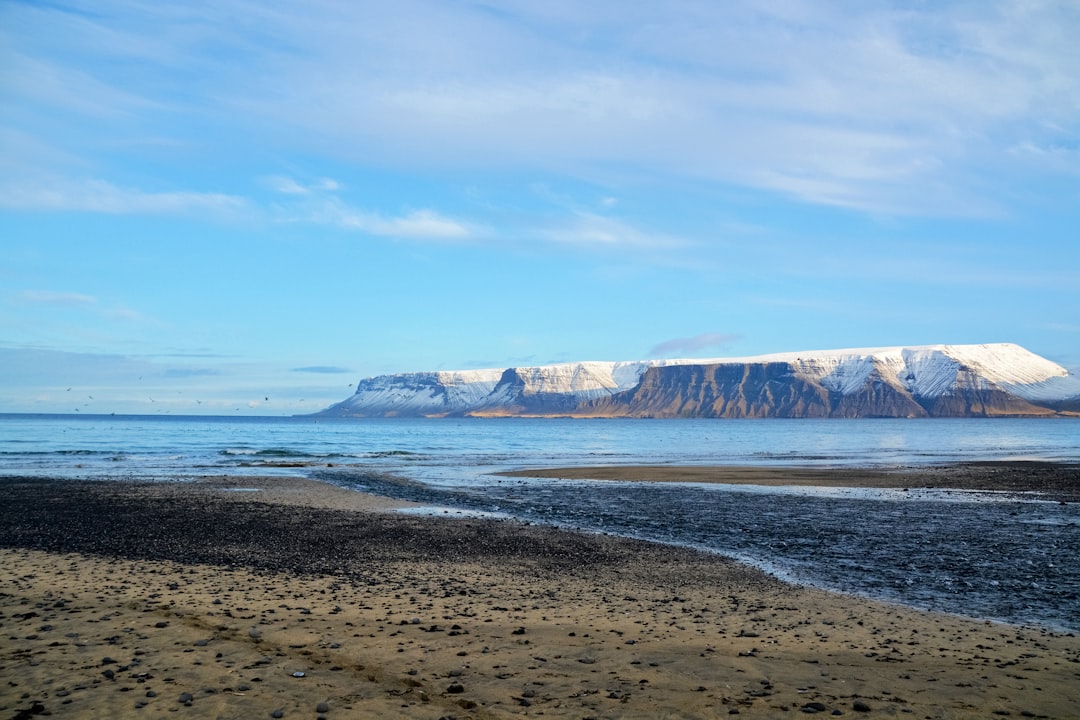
280, 597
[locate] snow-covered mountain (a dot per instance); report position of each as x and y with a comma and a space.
925, 381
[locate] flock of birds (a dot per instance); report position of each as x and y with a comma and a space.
266, 399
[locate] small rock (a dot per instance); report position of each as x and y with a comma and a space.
455, 689
860, 706
279, 713
323, 707
185, 698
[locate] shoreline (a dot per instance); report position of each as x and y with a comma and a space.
1055, 480
195, 589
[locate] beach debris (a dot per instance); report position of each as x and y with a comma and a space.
298, 674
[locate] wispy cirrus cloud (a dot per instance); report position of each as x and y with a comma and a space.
322, 370
320, 202
694, 345
80, 302
100, 196
422, 224
881, 108
586, 229
875, 107
290, 186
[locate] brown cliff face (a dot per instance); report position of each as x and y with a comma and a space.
978, 401
756, 390
777, 390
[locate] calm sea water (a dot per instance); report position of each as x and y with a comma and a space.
977, 554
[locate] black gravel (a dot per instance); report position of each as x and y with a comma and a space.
131, 520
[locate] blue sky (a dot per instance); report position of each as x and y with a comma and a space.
236, 207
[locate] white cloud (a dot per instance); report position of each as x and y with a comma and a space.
416, 224
318, 202
907, 108
882, 109
585, 229
286, 185
99, 196
290, 186
49, 297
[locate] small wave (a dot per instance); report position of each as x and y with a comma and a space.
282, 452
278, 464
268, 452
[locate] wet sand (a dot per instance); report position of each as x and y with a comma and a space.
205, 599
1059, 481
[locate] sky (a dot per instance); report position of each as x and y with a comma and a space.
239, 207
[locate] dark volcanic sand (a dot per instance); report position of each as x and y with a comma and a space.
148, 521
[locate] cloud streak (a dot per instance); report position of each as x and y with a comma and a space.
694, 345
323, 370
100, 196
859, 108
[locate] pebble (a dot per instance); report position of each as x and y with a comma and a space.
323, 707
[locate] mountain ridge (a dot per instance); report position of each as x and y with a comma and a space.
990, 380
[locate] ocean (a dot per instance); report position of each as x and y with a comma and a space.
996, 556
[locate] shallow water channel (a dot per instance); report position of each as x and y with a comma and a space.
984, 555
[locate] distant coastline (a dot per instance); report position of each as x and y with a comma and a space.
957, 381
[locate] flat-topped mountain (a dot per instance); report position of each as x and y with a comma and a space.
925, 381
